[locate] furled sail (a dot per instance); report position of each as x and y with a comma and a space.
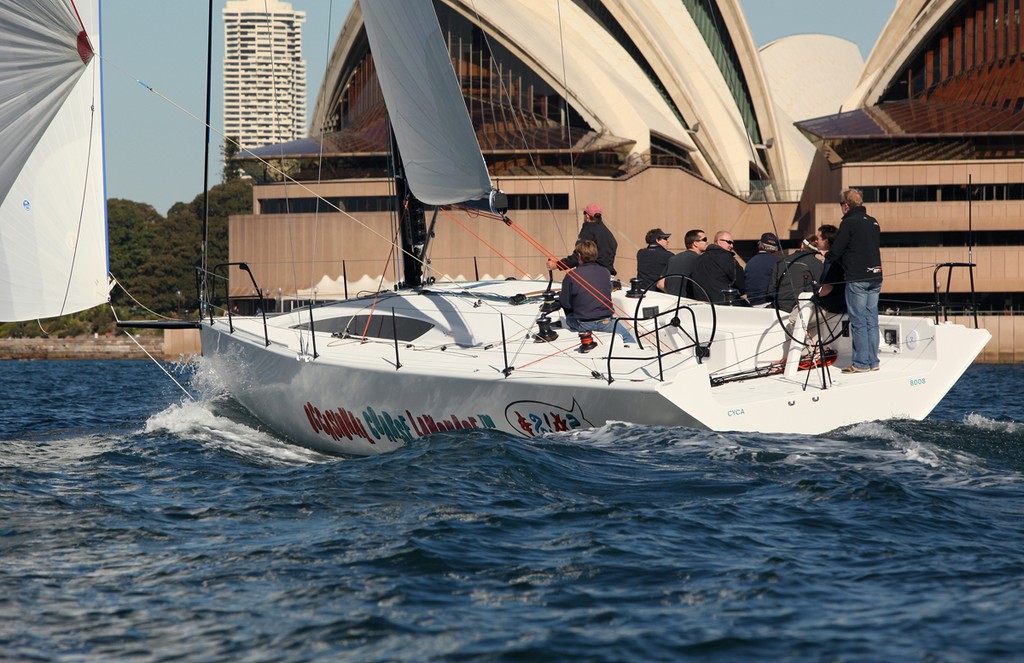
53, 243
442, 158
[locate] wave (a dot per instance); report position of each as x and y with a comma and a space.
214, 420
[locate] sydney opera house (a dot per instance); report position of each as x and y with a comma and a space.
667, 114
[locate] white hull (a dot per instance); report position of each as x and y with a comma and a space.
351, 399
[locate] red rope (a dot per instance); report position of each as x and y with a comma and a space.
484, 242
391, 254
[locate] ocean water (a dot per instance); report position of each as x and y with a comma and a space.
139, 525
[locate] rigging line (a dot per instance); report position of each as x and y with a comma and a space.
82, 204
553, 354
565, 98
269, 23
570, 273
153, 359
755, 356
376, 295
285, 177
276, 171
484, 242
572, 158
137, 302
750, 142
615, 310
320, 154
507, 93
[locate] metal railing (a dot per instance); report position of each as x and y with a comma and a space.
942, 302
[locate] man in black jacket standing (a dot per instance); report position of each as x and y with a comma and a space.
857, 248
594, 230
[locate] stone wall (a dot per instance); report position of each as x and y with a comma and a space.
81, 347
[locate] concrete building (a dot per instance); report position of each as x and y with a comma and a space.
264, 73
933, 134
667, 115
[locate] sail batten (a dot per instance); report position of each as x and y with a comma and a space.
442, 159
53, 244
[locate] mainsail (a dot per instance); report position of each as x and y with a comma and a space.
441, 155
53, 244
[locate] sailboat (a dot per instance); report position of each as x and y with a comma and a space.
369, 374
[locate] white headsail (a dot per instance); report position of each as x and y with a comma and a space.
53, 241
441, 155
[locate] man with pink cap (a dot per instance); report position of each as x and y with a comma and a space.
598, 233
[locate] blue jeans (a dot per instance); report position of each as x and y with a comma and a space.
862, 307
604, 325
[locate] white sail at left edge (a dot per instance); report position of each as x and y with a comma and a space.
53, 225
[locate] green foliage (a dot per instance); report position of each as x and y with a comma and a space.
231, 148
131, 229
173, 248
153, 258
98, 320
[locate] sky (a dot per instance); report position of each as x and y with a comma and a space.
155, 140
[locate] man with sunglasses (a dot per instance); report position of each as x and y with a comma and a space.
718, 274
594, 230
675, 280
652, 259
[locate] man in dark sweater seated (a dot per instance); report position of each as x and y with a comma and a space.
586, 295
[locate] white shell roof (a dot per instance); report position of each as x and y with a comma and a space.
578, 57
911, 21
809, 75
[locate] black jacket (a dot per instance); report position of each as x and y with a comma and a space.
717, 270
835, 301
758, 274
798, 273
650, 263
680, 265
857, 246
599, 234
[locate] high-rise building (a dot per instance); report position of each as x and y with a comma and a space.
264, 72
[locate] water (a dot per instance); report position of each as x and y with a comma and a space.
137, 525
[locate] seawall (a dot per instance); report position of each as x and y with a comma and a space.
173, 345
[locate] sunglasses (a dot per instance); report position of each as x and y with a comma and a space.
727, 241
702, 239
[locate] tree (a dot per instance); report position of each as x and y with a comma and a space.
231, 148
131, 227
154, 258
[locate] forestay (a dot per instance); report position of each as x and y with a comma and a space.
53, 244
441, 155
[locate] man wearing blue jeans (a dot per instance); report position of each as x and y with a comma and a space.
857, 247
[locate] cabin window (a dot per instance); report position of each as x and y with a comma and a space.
380, 326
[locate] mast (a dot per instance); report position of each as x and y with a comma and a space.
412, 224
204, 296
